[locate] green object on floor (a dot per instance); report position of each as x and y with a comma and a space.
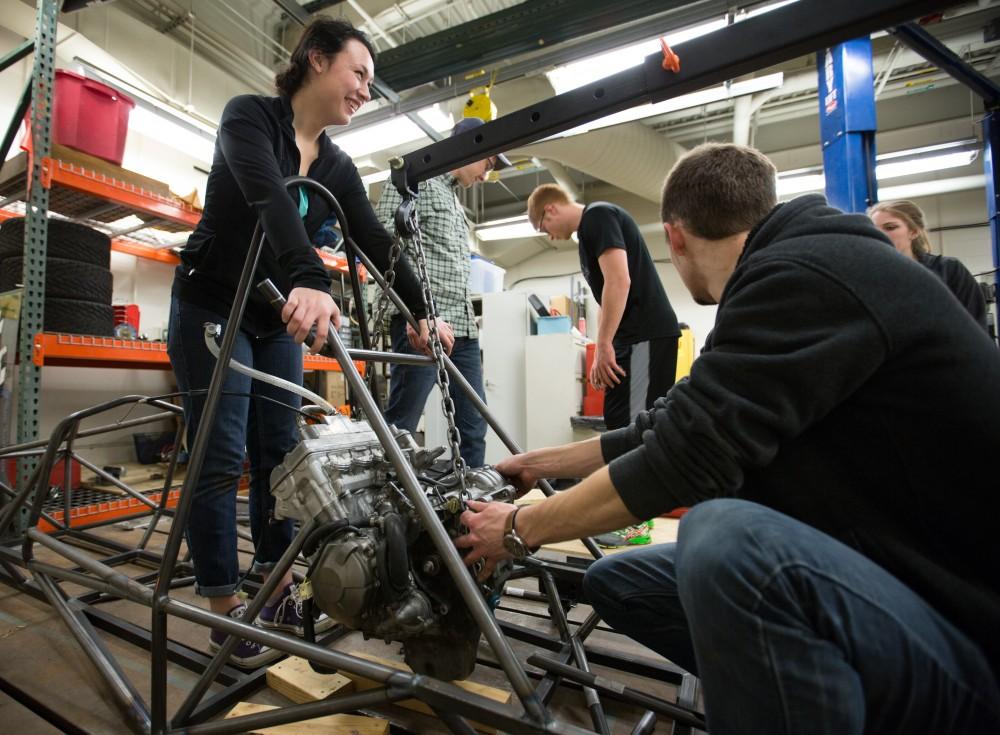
638, 535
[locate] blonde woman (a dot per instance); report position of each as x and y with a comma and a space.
903, 223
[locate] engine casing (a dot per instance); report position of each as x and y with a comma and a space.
372, 566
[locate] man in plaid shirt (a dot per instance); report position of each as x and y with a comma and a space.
444, 234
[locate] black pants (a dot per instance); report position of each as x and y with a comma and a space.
650, 370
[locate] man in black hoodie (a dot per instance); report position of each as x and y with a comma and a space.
839, 569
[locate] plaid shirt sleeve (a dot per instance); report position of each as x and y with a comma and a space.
445, 239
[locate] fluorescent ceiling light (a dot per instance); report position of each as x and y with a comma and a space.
162, 129
392, 132
578, 73
585, 71
924, 164
791, 185
931, 188
506, 229
695, 99
914, 161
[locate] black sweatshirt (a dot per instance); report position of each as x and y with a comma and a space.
961, 283
254, 152
844, 386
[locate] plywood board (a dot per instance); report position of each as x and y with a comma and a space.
295, 678
329, 725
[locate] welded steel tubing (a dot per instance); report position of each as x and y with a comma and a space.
127, 698
44, 469
11, 449
300, 712
108, 477
454, 723
460, 575
467, 390
576, 645
400, 358
68, 575
646, 724
168, 481
158, 666
679, 714
289, 644
429, 520
121, 583
255, 605
9, 492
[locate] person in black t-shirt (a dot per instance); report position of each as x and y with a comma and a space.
903, 223
636, 359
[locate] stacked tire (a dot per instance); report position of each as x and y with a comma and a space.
78, 282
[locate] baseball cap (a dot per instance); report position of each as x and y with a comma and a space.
470, 123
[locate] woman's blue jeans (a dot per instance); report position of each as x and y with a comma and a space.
244, 426
793, 632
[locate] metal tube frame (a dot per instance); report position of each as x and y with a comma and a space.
713, 58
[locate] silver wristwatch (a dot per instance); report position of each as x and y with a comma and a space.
512, 542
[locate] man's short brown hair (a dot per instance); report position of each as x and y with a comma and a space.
541, 197
719, 189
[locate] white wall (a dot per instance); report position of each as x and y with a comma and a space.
12, 79
543, 276
546, 273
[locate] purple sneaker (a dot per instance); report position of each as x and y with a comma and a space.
286, 614
247, 654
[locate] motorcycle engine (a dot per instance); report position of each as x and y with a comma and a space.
372, 565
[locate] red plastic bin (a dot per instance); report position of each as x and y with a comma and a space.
90, 116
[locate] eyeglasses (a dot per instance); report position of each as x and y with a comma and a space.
491, 164
541, 223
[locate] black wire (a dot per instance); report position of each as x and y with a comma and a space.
232, 393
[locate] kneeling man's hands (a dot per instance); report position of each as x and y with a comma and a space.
484, 541
517, 470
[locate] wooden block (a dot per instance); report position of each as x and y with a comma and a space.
295, 678
329, 725
362, 684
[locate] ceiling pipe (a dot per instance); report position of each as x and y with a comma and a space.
370, 21
562, 177
742, 112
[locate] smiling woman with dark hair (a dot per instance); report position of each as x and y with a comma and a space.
261, 142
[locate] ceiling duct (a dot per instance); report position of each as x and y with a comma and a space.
632, 156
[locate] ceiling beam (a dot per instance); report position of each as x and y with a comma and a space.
523, 28
293, 9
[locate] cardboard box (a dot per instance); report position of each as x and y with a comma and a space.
560, 305
333, 387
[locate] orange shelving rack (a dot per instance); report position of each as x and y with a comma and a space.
82, 350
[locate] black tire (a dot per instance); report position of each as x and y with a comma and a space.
67, 240
79, 317
64, 279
